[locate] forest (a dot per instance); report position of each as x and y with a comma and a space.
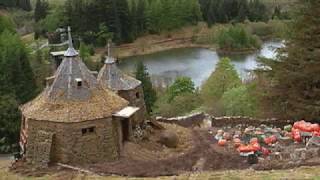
126, 20
277, 91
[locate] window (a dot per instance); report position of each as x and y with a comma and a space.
89, 130
79, 82
137, 95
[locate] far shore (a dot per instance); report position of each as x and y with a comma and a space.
126, 51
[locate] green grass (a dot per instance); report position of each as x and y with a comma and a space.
294, 174
51, 2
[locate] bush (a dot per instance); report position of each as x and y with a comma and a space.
6, 24
239, 102
52, 21
180, 98
261, 29
236, 37
180, 105
273, 28
180, 86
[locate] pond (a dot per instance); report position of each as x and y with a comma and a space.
196, 63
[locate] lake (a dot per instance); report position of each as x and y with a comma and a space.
196, 63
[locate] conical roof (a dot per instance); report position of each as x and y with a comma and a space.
74, 96
111, 77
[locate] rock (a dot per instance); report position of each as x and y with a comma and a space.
285, 140
169, 139
312, 153
300, 153
286, 156
294, 157
276, 156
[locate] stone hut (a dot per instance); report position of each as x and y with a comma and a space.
129, 88
74, 120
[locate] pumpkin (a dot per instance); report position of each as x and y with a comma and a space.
222, 142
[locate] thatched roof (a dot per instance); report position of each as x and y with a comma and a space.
74, 95
113, 78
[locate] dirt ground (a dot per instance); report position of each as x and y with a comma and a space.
197, 151
204, 155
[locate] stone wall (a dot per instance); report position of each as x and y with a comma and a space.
135, 98
185, 121
235, 120
199, 119
71, 146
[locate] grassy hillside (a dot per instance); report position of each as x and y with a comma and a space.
54, 2
299, 173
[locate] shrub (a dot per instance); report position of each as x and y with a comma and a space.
236, 37
180, 86
180, 98
238, 101
180, 105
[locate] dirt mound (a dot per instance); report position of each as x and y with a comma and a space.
169, 139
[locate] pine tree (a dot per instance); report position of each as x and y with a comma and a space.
150, 95
294, 76
15, 68
41, 10
25, 5
17, 86
9, 122
224, 78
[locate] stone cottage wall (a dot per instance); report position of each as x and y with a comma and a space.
70, 145
135, 98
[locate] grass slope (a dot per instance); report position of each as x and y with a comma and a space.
294, 174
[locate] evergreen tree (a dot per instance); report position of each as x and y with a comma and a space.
154, 14
17, 86
294, 76
15, 71
41, 10
141, 17
9, 122
224, 78
257, 11
150, 95
25, 5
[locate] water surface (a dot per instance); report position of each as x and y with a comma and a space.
196, 63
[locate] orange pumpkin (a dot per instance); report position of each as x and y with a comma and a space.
253, 140
222, 142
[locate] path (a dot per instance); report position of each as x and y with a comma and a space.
46, 44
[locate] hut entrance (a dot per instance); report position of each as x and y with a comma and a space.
126, 117
125, 129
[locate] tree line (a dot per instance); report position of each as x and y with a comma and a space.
125, 20
23, 4
223, 11
17, 83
